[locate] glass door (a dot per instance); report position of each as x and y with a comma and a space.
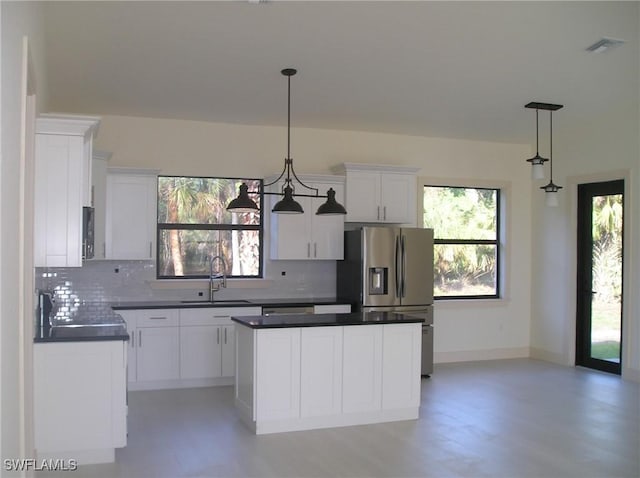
599, 301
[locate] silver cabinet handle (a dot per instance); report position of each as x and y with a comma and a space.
221, 316
308, 249
139, 338
150, 249
225, 335
157, 318
218, 335
384, 213
378, 215
104, 249
315, 249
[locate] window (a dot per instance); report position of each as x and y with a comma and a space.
194, 225
466, 224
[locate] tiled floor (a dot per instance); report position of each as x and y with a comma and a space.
511, 418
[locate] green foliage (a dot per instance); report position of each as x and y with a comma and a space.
607, 247
202, 201
463, 214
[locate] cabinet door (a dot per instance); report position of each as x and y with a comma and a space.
401, 366
129, 317
58, 201
131, 216
200, 351
321, 371
290, 233
327, 232
158, 353
228, 339
398, 198
278, 373
79, 396
99, 202
362, 369
363, 196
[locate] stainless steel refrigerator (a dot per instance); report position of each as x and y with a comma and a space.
391, 268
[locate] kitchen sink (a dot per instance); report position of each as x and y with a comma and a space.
222, 301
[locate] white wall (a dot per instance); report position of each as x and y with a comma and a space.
464, 331
17, 19
596, 149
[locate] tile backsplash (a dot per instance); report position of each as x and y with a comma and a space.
110, 281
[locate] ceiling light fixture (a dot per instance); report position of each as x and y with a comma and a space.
287, 205
551, 189
605, 44
537, 162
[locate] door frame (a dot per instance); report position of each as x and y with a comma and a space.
572, 238
584, 250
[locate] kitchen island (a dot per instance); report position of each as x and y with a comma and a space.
301, 372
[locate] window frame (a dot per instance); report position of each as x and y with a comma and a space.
211, 227
497, 242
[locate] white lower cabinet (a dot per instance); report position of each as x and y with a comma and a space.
80, 400
158, 354
362, 368
316, 377
401, 350
321, 371
174, 348
278, 380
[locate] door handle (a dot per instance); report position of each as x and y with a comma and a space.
397, 267
403, 255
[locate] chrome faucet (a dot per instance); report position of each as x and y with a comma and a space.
213, 285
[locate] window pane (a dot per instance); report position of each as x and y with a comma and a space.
461, 270
184, 252
190, 200
461, 213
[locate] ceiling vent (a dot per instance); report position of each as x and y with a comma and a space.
605, 44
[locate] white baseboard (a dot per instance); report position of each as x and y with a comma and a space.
476, 355
193, 383
333, 421
547, 356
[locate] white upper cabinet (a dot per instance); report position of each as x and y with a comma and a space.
309, 236
63, 157
131, 214
99, 201
380, 194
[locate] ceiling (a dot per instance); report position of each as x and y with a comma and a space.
445, 69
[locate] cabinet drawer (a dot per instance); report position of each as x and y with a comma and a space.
214, 315
158, 318
332, 309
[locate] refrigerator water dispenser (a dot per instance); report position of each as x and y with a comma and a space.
378, 280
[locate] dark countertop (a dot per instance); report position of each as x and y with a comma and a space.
325, 320
199, 304
94, 321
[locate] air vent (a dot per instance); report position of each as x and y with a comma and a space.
605, 44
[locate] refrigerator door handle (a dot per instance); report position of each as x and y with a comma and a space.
397, 267
404, 265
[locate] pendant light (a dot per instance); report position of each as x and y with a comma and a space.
537, 162
551, 189
287, 205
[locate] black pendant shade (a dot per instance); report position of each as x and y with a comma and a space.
287, 205
331, 207
243, 203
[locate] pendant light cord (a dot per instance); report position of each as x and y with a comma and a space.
537, 150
